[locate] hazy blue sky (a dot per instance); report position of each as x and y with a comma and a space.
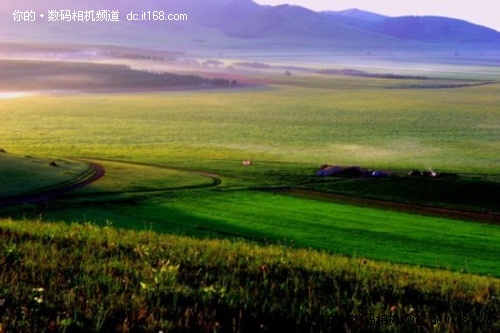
484, 12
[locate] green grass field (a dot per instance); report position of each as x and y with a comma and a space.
130, 178
173, 166
288, 130
343, 120
353, 231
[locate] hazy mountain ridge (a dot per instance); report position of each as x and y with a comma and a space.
223, 22
361, 15
439, 29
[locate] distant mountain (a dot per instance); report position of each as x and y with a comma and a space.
360, 15
241, 23
363, 20
438, 29
290, 23
429, 29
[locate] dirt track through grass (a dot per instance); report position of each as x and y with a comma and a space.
216, 179
94, 173
398, 206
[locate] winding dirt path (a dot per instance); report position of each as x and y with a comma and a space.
94, 173
485, 217
216, 180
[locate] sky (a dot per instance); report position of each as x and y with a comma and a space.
483, 12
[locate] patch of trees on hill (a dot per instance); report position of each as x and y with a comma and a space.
135, 56
47, 75
359, 73
441, 85
252, 64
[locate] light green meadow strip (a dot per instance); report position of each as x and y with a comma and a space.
344, 229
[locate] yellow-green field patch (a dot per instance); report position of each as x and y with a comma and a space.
130, 177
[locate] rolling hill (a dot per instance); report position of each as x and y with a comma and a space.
28, 178
240, 23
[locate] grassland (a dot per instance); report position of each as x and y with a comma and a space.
345, 229
83, 278
288, 129
136, 177
173, 164
346, 120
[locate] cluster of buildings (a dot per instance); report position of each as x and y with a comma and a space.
357, 171
351, 171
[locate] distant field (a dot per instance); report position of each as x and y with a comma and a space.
288, 129
339, 120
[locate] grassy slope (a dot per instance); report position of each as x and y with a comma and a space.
337, 228
115, 280
24, 174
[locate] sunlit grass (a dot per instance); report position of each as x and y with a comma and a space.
343, 229
127, 177
452, 129
83, 278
